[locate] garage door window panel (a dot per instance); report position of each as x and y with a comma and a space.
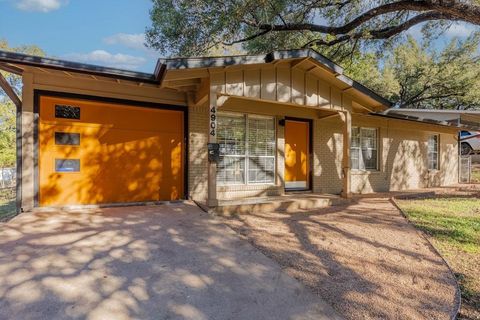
67, 165
67, 112
67, 139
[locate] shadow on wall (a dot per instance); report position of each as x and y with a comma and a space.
112, 170
406, 165
329, 152
402, 165
116, 164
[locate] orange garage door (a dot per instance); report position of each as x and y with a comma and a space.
95, 152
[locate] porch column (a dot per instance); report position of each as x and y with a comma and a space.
212, 138
347, 133
28, 115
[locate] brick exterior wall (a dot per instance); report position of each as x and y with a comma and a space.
403, 158
197, 153
327, 155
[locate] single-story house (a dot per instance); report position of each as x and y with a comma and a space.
214, 128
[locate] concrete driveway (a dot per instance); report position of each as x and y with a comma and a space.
162, 262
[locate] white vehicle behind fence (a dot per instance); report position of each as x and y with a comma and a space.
470, 142
7, 177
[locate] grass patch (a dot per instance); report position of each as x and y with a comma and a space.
475, 173
453, 226
7, 203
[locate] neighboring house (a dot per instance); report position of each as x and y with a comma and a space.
285, 121
470, 140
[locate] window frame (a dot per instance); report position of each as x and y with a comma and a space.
359, 148
243, 156
246, 156
437, 152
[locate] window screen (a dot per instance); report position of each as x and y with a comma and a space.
247, 149
65, 138
261, 150
363, 149
433, 147
67, 165
67, 112
231, 137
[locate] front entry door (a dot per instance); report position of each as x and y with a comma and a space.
297, 151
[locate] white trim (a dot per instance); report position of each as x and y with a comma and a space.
359, 148
296, 185
246, 156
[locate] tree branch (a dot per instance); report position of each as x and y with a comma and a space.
433, 10
368, 15
253, 36
384, 33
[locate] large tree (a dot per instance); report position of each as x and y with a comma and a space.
186, 27
420, 75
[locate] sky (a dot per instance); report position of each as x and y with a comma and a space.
101, 32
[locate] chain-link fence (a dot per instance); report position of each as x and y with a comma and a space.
7, 178
465, 169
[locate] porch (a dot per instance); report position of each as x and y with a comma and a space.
289, 202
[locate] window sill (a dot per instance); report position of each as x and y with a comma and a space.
250, 186
364, 172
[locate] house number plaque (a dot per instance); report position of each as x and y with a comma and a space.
213, 121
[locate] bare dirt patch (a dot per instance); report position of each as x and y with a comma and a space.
364, 259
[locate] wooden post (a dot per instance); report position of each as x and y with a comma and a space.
347, 134
212, 138
9, 91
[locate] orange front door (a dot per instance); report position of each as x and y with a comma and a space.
108, 153
297, 164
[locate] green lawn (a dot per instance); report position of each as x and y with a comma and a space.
7, 203
476, 173
453, 226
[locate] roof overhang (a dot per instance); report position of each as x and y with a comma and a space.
272, 57
469, 119
451, 124
12, 61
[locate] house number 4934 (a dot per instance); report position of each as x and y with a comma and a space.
213, 121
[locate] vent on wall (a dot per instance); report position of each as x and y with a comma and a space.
67, 112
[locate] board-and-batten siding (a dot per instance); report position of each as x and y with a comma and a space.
278, 83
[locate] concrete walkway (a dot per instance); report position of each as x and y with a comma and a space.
162, 262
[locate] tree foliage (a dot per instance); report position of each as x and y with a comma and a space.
7, 134
416, 75
188, 28
7, 108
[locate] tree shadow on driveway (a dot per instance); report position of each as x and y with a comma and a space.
163, 262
